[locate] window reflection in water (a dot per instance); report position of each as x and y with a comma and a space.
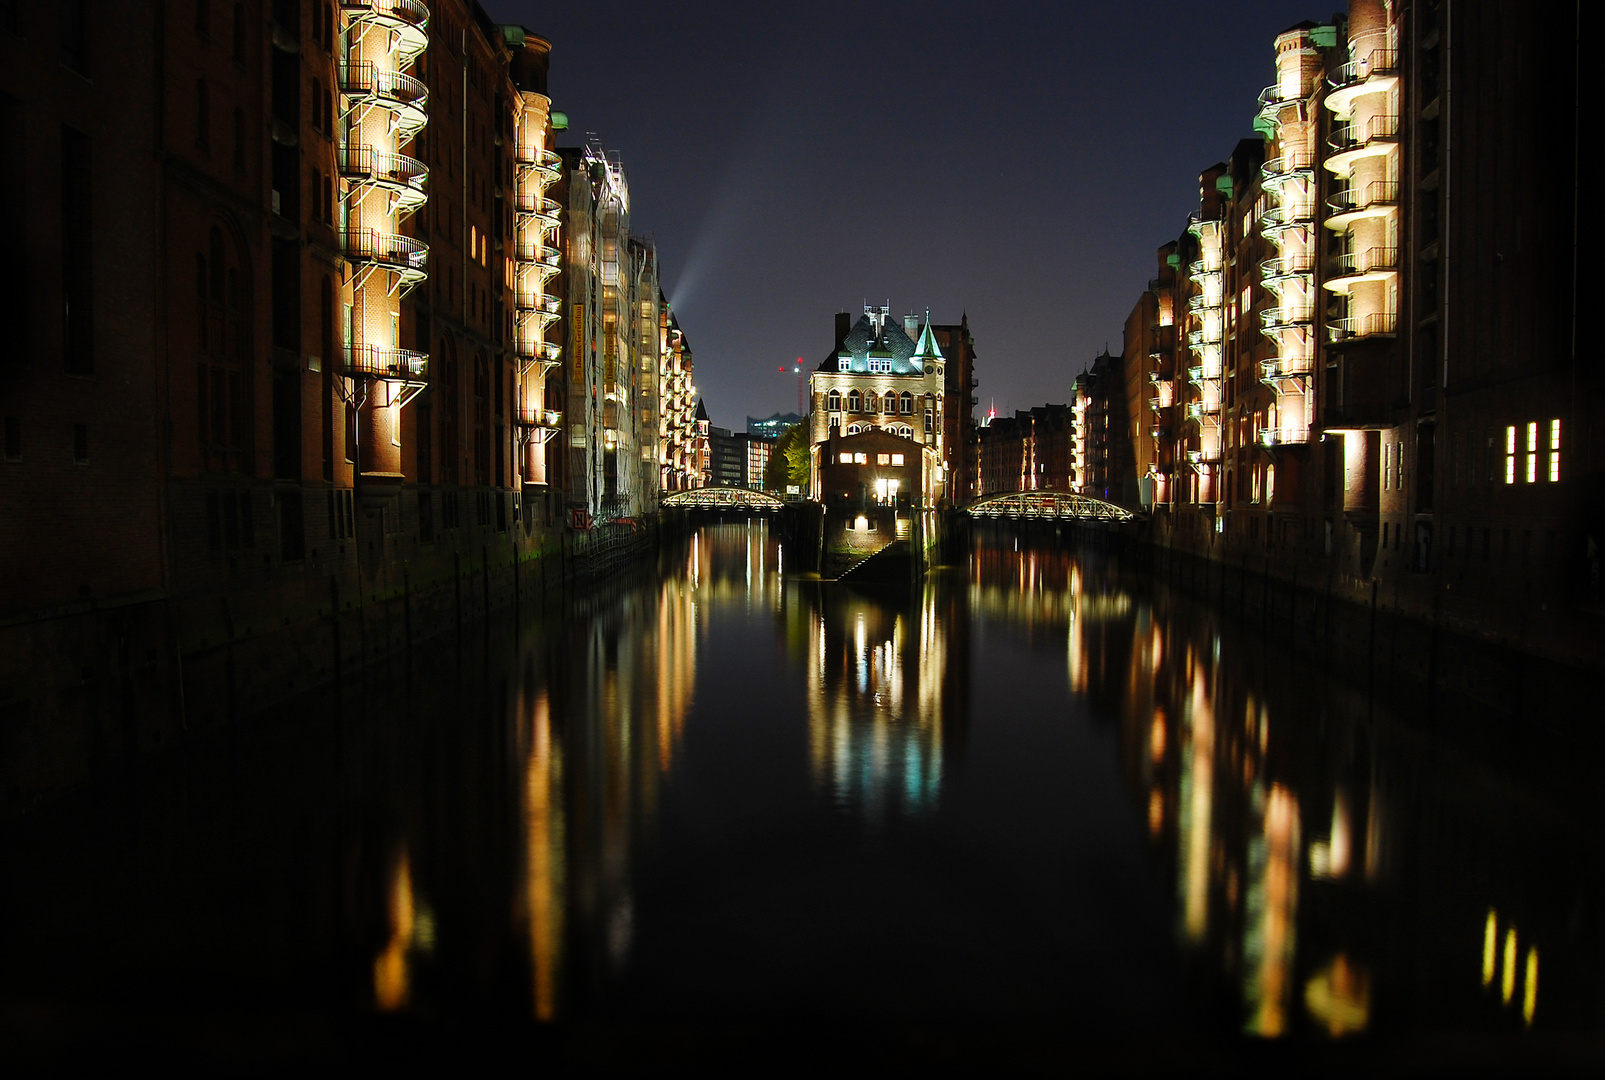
887, 691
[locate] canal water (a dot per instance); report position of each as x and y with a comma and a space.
1037, 806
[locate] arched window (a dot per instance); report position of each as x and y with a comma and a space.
908, 403
852, 401
854, 429
871, 402
833, 401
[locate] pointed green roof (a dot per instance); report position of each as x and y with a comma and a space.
928, 349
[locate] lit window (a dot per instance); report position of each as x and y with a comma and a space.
844, 364
860, 459
847, 459
1554, 451
883, 459
1510, 455
897, 459
1532, 452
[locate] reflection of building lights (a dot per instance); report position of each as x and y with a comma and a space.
1339, 997
1507, 982
1490, 948
544, 837
1529, 996
1156, 811
1156, 736
390, 976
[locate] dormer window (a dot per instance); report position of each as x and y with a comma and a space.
844, 363
880, 367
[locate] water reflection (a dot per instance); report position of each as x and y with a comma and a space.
598, 815
887, 696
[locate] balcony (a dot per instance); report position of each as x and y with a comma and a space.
1201, 270
1272, 101
534, 348
407, 21
1351, 143
1199, 302
1204, 228
1284, 369
538, 256
538, 303
1204, 413
547, 165
404, 256
1202, 457
1350, 268
1278, 437
1275, 320
1281, 270
1287, 168
544, 210
1203, 338
1376, 324
405, 98
1376, 199
1374, 73
392, 365
1279, 219
402, 177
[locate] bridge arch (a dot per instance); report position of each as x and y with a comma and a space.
722, 498
1047, 506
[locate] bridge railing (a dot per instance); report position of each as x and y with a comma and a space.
1048, 506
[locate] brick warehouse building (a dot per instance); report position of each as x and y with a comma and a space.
307, 371
1362, 364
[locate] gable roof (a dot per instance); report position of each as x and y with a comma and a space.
862, 342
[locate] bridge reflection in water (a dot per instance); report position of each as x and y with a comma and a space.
718, 793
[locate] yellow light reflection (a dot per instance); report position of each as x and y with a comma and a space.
1156, 736
1490, 948
544, 837
1529, 994
1156, 811
1196, 813
1269, 938
1507, 983
1338, 997
390, 974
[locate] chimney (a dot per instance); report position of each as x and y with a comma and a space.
844, 326
911, 326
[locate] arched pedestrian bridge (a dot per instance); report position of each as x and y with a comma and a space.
1047, 506
723, 498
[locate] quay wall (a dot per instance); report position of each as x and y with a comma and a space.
94, 685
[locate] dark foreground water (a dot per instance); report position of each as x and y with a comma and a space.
1035, 810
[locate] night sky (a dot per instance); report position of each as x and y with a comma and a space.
1019, 162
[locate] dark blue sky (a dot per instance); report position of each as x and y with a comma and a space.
1017, 161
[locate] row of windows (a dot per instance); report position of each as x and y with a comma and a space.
844, 364
860, 458
870, 402
1534, 459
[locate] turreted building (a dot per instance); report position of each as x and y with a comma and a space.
878, 413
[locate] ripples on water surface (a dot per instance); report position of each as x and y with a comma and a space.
1033, 797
